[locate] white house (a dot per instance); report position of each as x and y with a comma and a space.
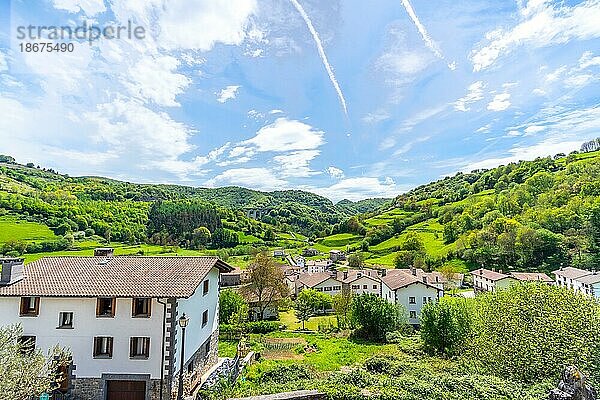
314, 267
365, 281
119, 317
580, 280
409, 291
337, 255
485, 280
321, 282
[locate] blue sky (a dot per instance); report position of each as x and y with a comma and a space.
238, 92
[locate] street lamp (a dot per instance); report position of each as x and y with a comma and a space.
183, 323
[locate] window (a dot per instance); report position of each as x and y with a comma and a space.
355, 286
139, 347
412, 300
374, 286
413, 314
327, 288
141, 308
424, 300
27, 344
65, 320
319, 289
204, 318
206, 285
365, 287
207, 347
30, 306
103, 347
105, 307
190, 367
429, 299
337, 288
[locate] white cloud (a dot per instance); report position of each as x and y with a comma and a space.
588, 60
3, 62
543, 24
500, 102
276, 111
579, 80
285, 135
533, 129
359, 188
404, 62
254, 178
474, 94
484, 129
154, 79
335, 172
230, 92
376, 117
296, 163
89, 7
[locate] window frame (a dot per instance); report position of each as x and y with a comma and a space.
412, 300
29, 312
61, 320
205, 287
204, 318
113, 307
411, 313
148, 312
134, 344
109, 345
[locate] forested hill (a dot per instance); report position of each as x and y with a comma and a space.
528, 215
123, 211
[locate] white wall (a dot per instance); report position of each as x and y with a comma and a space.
329, 283
85, 327
369, 282
418, 291
193, 307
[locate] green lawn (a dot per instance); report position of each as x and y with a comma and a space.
291, 322
12, 228
338, 241
244, 238
430, 232
387, 217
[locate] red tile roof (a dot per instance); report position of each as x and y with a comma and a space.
572, 273
491, 275
114, 276
312, 280
531, 276
398, 278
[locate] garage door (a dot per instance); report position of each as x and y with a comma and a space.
126, 390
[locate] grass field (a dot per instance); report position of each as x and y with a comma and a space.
12, 228
244, 238
386, 217
289, 319
338, 241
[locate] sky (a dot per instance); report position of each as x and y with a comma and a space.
348, 99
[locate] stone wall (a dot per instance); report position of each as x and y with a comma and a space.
87, 389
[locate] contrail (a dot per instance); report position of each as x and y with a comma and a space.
315, 36
425, 35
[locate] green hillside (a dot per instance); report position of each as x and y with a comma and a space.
43, 211
530, 215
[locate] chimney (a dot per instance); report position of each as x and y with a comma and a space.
383, 271
493, 269
437, 278
104, 252
12, 271
345, 275
424, 279
500, 270
413, 271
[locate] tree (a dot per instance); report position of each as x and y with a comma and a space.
342, 303
265, 282
26, 372
356, 260
201, 236
528, 332
304, 307
233, 308
375, 316
446, 325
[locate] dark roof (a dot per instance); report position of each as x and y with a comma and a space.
590, 279
491, 275
572, 273
531, 276
396, 279
354, 274
114, 276
312, 280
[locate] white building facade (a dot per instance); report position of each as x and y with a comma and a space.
119, 318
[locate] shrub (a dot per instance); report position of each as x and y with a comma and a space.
263, 326
375, 317
446, 326
287, 373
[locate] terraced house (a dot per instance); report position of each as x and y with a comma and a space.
119, 316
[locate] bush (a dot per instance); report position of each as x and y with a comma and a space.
375, 317
263, 326
286, 373
446, 326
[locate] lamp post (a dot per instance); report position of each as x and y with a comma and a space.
183, 322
